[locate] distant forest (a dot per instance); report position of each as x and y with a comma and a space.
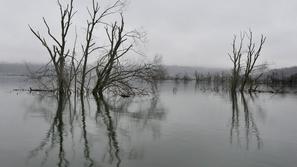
18, 69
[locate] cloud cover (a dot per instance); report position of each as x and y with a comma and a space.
188, 32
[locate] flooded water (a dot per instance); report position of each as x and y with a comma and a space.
183, 125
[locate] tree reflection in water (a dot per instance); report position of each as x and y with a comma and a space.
102, 131
250, 128
54, 136
60, 144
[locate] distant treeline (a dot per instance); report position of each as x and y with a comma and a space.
286, 76
18, 69
276, 76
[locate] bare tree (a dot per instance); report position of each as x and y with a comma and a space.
58, 52
253, 55
115, 75
71, 65
235, 57
161, 72
90, 45
245, 61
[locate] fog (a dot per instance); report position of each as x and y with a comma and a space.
189, 32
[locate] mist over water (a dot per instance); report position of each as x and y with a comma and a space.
184, 124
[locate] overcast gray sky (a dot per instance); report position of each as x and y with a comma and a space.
185, 32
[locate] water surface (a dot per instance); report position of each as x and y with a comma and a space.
183, 125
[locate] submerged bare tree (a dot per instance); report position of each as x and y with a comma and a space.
253, 54
112, 72
245, 62
71, 67
58, 51
235, 57
90, 45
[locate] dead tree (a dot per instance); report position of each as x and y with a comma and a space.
58, 51
160, 71
235, 57
90, 45
111, 72
115, 75
252, 56
245, 61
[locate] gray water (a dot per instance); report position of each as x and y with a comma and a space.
183, 125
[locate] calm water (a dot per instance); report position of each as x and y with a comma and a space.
185, 125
